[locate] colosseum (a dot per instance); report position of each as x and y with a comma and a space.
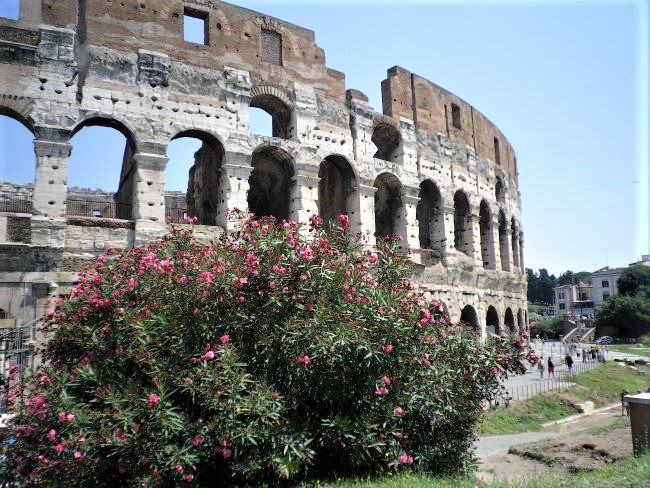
429, 167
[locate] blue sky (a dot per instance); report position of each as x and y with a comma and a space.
566, 82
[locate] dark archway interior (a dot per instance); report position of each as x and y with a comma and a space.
270, 183
461, 214
388, 201
509, 320
492, 318
503, 240
468, 316
387, 139
485, 227
279, 111
335, 184
428, 215
499, 191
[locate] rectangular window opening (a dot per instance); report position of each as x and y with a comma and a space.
497, 152
195, 26
455, 116
605, 283
10, 9
271, 46
562, 306
96, 213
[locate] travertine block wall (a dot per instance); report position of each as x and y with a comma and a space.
65, 65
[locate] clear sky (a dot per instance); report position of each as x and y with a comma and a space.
566, 82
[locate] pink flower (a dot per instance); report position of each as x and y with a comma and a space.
183, 280
387, 348
381, 391
70, 417
197, 440
398, 411
59, 447
224, 339
386, 380
179, 468
405, 459
79, 456
209, 356
119, 434
189, 477
153, 399
52, 435
304, 359
226, 453
306, 253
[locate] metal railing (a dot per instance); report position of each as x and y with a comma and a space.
89, 208
16, 203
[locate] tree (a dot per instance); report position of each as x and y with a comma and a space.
571, 278
265, 356
628, 314
634, 279
540, 286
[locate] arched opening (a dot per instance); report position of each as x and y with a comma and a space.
17, 166
499, 191
462, 224
509, 320
520, 319
335, 187
469, 318
514, 237
429, 216
193, 179
388, 140
101, 179
279, 113
270, 183
503, 242
3, 314
492, 320
487, 236
388, 203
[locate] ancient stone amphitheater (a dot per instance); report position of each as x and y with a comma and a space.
430, 167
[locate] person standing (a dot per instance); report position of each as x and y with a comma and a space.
551, 367
540, 368
568, 359
625, 406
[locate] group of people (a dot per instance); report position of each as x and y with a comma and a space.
550, 365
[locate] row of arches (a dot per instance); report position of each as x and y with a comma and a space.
271, 191
493, 322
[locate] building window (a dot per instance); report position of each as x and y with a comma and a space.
583, 296
455, 116
195, 26
605, 283
497, 152
605, 296
560, 296
271, 47
562, 306
96, 213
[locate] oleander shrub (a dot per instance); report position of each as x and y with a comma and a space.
274, 355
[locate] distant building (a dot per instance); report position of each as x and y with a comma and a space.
584, 298
645, 261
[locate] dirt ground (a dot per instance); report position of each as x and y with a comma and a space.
588, 443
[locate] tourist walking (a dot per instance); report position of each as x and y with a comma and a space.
568, 359
551, 367
540, 368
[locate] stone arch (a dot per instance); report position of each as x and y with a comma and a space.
500, 191
17, 163
204, 196
277, 104
388, 204
19, 109
430, 217
469, 317
509, 320
269, 23
462, 223
123, 196
221, 20
270, 183
521, 325
336, 187
503, 241
514, 237
487, 236
492, 319
387, 138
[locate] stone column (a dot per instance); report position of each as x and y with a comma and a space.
505, 248
361, 115
304, 195
50, 188
493, 241
409, 226
147, 182
473, 233
236, 171
367, 212
447, 246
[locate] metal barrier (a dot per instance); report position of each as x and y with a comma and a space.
89, 208
16, 203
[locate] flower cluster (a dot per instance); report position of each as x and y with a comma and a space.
272, 353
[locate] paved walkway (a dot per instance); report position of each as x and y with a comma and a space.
497, 443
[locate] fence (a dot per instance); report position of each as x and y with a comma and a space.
89, 208
175, 215
16, 203
562, 380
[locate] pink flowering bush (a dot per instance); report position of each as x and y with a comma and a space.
274, 354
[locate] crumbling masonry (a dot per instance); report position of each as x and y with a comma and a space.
440, 174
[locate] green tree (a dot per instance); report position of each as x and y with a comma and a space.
628, 314
571, 278
635, 279
540, 286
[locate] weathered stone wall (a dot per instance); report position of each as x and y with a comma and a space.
435, 177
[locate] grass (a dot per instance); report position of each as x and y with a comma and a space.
633, 473
602, 386
638, 349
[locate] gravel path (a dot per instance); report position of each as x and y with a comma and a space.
496, 443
